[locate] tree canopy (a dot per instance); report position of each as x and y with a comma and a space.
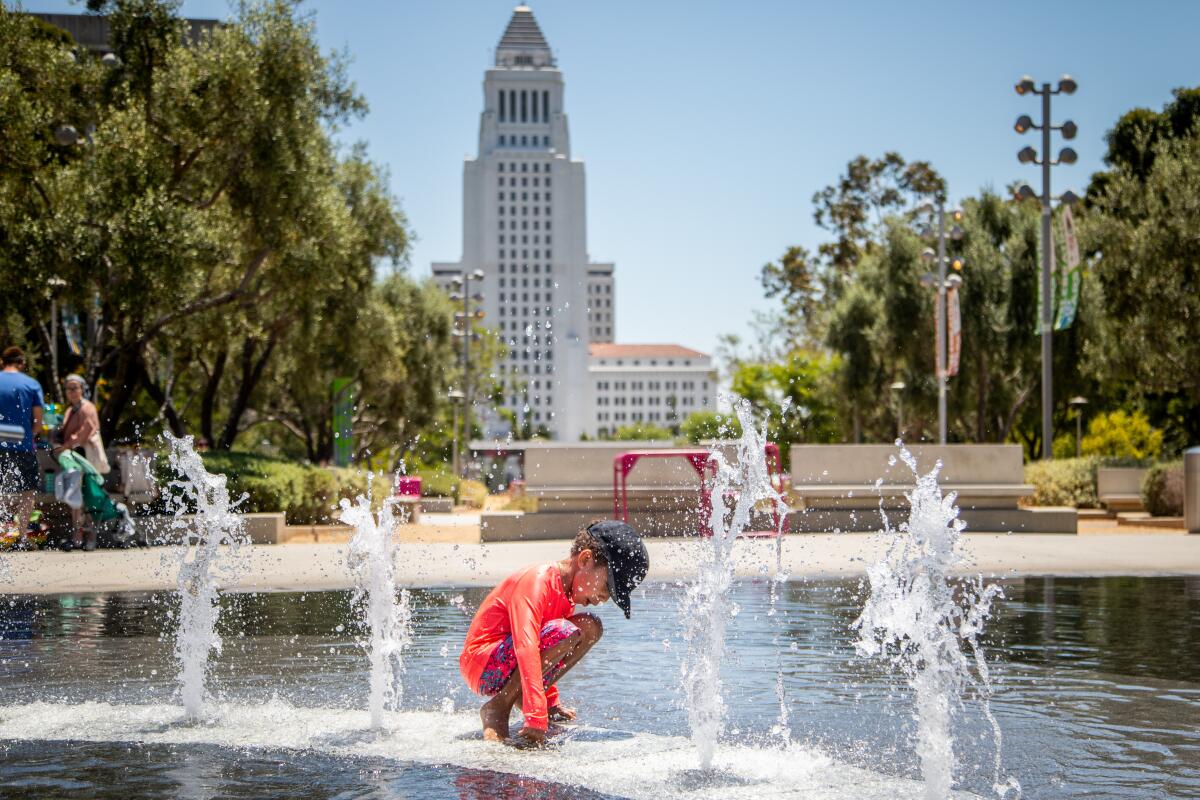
1135, 340
217, 255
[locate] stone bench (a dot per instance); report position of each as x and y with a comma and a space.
1120, 488
843, 487
572, 483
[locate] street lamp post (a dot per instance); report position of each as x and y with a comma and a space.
1078, 403
455, 396
942, 284
463, 321
1028, 155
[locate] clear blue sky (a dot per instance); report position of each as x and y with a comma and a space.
707, 126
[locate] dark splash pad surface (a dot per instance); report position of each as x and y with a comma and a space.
1097, 690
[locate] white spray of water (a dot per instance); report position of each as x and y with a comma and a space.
216, 528
913, 622
706, 609
782, 728
388, 619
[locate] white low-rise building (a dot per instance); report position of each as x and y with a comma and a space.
657, 384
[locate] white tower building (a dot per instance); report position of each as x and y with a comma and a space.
525, 227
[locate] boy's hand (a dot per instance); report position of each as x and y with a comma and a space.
534, 737
562, 714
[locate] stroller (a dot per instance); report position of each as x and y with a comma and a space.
80, 485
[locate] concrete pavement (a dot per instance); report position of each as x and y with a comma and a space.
323, 566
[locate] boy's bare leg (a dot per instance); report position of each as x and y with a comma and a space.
495, 712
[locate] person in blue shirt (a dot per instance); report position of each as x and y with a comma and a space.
21, 402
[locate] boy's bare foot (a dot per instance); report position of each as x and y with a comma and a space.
495, 721
562, 714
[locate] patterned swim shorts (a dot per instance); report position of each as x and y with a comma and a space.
503, 659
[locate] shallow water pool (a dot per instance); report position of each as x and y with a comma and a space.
1096, 689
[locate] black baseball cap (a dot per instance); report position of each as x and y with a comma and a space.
626, 555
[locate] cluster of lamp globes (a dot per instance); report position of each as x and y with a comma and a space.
461, 294
1024, 124
929, 255
67, 135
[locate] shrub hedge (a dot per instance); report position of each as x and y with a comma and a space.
1071, 481
1162, 490
306, 494
1064, 482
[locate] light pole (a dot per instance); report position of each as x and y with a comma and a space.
942, 283
1028, 155
456, 397
898, 392
463, 321
1078, 403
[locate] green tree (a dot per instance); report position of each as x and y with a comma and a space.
1132, 141
795, 396
998, 376
794, 281
1143, 281
1120, 434
393, 345
854, 208
641, 431
704, 426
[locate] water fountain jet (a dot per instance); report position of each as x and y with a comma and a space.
217, 529
388, 619
706, 608
913, 621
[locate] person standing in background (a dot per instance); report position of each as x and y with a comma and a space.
80, 431
21, 402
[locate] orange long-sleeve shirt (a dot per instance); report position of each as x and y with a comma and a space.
519, 606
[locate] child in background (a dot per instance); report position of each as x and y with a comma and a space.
526, 634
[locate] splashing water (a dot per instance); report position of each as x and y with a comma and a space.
706, 608
782, 727
913, 622
216, 528
372, 561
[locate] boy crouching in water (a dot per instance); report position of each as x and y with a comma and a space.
526, 634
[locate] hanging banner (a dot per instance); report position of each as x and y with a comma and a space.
71, 329
343, 421
1070, 275
1070, 240
954, 324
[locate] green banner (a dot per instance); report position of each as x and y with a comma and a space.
343, 421
1069, 274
